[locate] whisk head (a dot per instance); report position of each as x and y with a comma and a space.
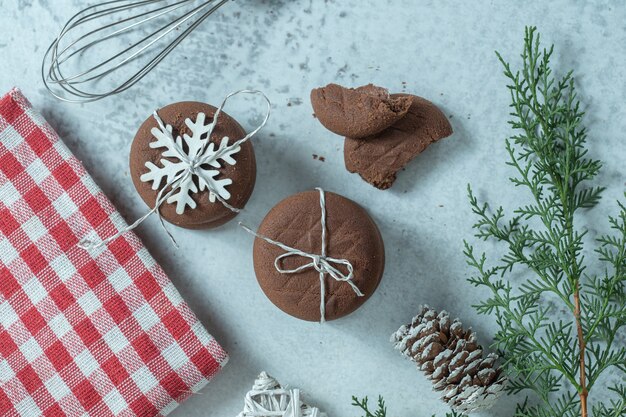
107, 48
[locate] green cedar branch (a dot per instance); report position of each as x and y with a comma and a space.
381, 410
557, 359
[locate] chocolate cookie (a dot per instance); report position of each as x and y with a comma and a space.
357, 112
351, 235
234, 175
378, 158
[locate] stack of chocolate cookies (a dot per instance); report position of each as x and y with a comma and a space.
241, 173
383, 132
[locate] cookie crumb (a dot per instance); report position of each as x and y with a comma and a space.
294, 101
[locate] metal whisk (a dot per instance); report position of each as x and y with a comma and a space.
109, 47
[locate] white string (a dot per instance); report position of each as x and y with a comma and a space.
321, 263
190, 170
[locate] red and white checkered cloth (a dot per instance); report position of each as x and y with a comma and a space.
101, 333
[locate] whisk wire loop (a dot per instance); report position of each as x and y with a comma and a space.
89, 31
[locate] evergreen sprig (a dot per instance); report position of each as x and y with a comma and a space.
381, 410
364, 406
556, 358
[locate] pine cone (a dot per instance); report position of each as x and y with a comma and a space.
452, 359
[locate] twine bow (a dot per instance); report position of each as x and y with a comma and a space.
322, 263
203, 157
269, 399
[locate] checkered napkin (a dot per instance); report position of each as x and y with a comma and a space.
97, 334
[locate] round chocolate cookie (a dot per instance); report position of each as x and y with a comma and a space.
242, 172
351, 234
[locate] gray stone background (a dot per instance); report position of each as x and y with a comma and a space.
441, 50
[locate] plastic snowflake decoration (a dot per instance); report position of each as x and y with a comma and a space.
189, 165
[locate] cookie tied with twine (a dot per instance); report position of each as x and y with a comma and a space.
193, 165
318, 256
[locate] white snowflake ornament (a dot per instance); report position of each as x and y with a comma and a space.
190, 164
270, 399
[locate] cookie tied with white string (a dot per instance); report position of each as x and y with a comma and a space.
318, 256
221, 175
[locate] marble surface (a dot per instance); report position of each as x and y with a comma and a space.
441, 50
